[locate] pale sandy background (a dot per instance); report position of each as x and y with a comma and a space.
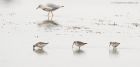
96, 22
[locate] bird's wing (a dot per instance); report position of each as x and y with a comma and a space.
79, 42
47, 8
53, 5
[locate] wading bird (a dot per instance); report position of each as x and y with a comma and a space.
39, 45
78, 43
114, 44
49, 8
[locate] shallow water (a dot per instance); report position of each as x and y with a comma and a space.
21, 28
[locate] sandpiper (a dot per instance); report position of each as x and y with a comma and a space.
49, 8
78, 43
39, 45
114, 44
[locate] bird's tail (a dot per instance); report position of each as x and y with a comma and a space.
62, 6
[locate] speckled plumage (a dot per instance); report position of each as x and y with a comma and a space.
40, 45
114, 44
78, 43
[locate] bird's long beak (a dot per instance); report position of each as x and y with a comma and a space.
37, 7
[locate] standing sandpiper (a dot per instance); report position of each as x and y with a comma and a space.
78, 43
114, 44
39, 45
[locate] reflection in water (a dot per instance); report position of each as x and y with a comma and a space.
78, 52
48, 24
6, 1
40, 51
113, 52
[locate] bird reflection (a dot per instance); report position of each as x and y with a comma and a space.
7, 1
114, 52
40, 51
78, 52
48, 24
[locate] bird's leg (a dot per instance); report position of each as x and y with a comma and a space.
79, 48
48, 15
52, 15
